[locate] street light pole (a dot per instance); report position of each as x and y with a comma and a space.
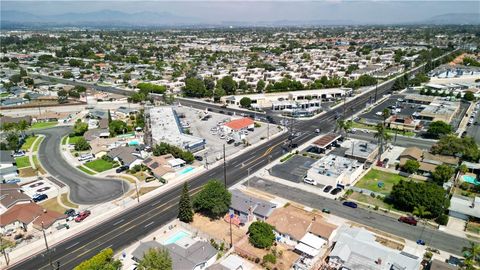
224, 168
136, 189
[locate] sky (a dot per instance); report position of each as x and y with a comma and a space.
372, 11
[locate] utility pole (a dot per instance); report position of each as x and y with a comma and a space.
231, 236
224, 167
46, 244
376, 89
136, 189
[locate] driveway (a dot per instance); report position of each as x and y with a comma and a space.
84, 189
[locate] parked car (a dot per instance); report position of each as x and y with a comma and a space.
326, 210
61, 226
13, 181
420, 242
70, 212
350, 204
19, 153
121, 169
409, 220
39, 197
83, 215
199, 158
309, 181
335, 191
230, 141
327, 189
317, 130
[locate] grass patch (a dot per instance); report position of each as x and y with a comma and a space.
373, 177
369, 200
22, 162
37, 144
74, 140
66, 201
473, 227
100, 165
2, 95
85, 170
143, 190
42, 125
287, 157
53, 205
64, 140
37, 164
28, 142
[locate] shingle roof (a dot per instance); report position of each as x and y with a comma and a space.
6, 157
244, 203
10, 194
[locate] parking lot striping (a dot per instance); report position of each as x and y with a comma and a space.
118, 222
149, 224
72, 245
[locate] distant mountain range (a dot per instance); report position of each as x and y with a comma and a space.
10, 18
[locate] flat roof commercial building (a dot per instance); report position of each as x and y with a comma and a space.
165, 126
440, 110
335, 171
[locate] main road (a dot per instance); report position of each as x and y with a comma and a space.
84, 189
130, 226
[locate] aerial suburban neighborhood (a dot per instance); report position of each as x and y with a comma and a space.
153, 141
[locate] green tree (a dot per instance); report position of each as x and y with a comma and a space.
80, 128
469, 96
102, 261
383, 137
260, 234
243, 85
15, 78
117, 127
156, 259
185, 211
463, 169
421, 211
62, 96
245, 102
194, 87
344, 126
411, 166
260, 85
13, 142
228, 84
82, 145
436, 129
213, 200
472, 255
146, 88
442, 173
67, 74
451, 145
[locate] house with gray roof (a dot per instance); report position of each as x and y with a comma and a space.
127, 155
462, 207
11, 194
248, 207
356, 248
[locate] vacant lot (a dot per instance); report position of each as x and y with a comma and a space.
379, 181
66, 201
40, 125
359, 197
28, 142
22, 162
53, 205
100, 165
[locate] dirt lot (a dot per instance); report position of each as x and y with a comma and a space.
219, 228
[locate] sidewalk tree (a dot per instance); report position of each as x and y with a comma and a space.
155, 258
260, 234
245, 102
411, 166
213, 200
103, 260
442, 173
382, 136
468, 96
260, 85
472, 255
185, 211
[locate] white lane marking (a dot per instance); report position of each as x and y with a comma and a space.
118, 222
72, 245
149, 224
155, 203
245, 161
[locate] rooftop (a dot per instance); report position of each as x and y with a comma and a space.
334, 166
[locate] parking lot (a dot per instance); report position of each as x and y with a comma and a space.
211, 130
40, 187
294, 169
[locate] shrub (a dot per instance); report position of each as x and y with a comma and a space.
270, 258
261, 234
442, 219
376, 208
257, 260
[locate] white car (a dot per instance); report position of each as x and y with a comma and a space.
20, 153
222, 136
317, 130
309, 181
378, 113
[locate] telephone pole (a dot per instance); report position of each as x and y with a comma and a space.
224, 168
46, 244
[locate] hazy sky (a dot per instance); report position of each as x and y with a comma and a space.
252, 11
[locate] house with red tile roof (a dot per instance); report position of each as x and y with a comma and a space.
26, 216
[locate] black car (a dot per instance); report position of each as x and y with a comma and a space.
230, 113
199, 158
70, 212
327, 189
230, 141
350, 204
335, 191
40, 197
121, 169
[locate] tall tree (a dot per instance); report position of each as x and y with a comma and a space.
155, 259
214, 199
442, 173
185, 211
103, 260
472, 255
383, 136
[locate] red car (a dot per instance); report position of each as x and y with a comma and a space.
83, 215
408, 220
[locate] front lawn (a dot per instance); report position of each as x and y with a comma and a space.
372, 179
42, 125
37, 144
100, 165
53, 205
28, 142
74, 140
85, 170
23, 162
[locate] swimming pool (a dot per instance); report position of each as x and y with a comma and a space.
174, 238
133, 143
186, 170
470, 179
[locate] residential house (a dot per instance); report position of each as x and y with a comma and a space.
233, 262
159, 166
8, 170
26, 216
123, 111
357, 248
428, 162
248, 207
126, 155
464, 208
10, 195
406, 123
440, 265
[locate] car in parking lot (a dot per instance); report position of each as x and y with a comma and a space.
83, 215
327, 189
121, 169
335, 191
309, 181
39, 197
199, 158
409, 220
350, 204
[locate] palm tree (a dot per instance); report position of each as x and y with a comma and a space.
383, 136
385, 115
472, 255
344, 126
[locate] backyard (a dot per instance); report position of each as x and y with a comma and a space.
100, 165
380, 181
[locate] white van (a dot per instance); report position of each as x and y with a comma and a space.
86, 157
309, 181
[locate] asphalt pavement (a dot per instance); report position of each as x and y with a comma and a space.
84, 189
434, 238
120, 231
402, 141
